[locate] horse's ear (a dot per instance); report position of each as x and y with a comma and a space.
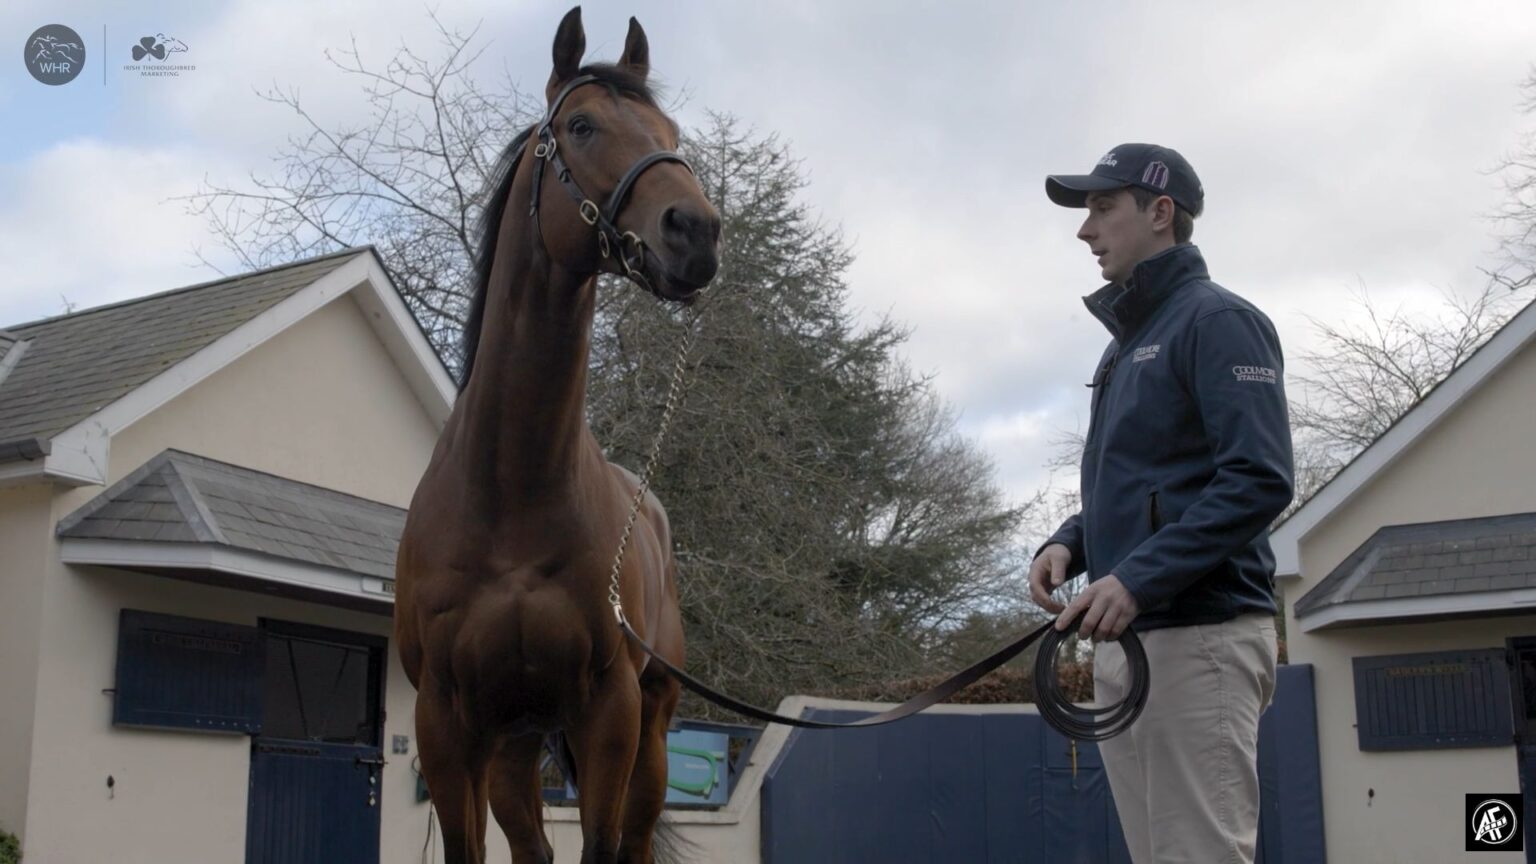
570, 44
637, 51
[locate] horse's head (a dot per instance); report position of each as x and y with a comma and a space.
634, 206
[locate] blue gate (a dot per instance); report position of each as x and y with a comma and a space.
1003, 788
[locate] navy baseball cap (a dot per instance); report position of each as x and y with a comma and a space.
1158, 169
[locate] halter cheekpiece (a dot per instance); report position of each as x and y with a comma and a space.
626, 246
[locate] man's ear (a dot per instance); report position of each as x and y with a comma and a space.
1162, 213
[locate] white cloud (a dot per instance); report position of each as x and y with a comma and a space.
89, 222
1339, 145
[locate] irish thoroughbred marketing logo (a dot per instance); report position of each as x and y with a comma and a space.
156, 57
55, 54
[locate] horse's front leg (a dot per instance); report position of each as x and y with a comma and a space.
453, 761
648, 787
604, 739
517, 799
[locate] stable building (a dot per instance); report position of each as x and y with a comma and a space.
1410, 581
200, 495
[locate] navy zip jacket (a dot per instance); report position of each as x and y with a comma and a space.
1188, 455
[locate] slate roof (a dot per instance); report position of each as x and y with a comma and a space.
1433, 559
79, 363
177, 497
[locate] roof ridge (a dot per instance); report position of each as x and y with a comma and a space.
193, 508
348, 498
350, 250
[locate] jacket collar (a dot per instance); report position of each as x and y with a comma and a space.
1124, 308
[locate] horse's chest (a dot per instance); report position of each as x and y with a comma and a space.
523, 646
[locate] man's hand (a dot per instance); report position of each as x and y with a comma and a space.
1046, 574
1111, 608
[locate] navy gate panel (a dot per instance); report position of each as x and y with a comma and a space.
958, 796
312, 803
1290, 776
1080, 825
1004, 788
933, 788
1011, 774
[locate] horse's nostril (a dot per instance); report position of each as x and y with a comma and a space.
675, 220
688, 225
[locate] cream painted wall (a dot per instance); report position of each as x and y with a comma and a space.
1415, 815
1477, 462
321, 402
24, 528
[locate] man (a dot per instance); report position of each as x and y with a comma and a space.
1186, 463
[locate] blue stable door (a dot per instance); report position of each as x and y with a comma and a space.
317, 764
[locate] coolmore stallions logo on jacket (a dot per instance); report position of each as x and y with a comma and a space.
1257, 374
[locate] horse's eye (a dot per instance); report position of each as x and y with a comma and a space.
580, 127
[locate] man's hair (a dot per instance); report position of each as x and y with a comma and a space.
1183, 222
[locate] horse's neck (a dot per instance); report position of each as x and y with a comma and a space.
523, 412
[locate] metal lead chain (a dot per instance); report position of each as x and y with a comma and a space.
674, 393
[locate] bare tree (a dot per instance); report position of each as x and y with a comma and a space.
1364, 375
1517, 245
409, 180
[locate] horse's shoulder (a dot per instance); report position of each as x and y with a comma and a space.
629, 482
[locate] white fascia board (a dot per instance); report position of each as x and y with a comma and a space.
130, 554
392, 321
1406, 609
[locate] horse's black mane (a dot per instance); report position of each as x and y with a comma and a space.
620, 80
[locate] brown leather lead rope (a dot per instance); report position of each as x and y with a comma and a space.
1083, 724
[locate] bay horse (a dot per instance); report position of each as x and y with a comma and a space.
502, 613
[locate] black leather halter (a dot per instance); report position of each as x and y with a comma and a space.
625, 247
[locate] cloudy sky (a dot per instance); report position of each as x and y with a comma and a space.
1340, 144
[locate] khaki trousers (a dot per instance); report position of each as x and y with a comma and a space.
1185, 776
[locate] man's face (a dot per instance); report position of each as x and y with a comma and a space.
1117, 233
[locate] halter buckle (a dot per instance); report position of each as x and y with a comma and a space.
590, 212
631, 240
602, 243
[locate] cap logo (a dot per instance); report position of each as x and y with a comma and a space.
1156, 175
1109, 160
